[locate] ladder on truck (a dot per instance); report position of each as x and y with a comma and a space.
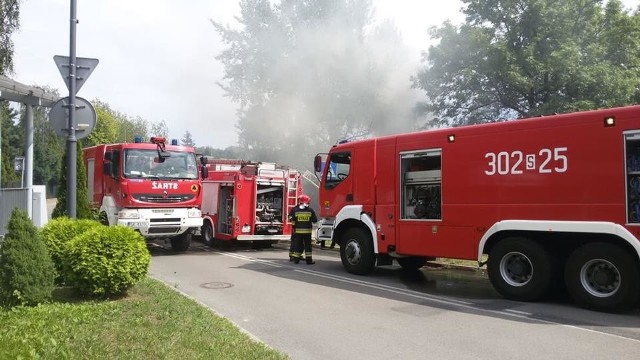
292, 190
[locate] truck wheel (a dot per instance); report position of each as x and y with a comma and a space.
356, 252
603, 277
207, 234
520, 269
181, 243
412, 263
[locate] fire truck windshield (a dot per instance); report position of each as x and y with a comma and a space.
139, 163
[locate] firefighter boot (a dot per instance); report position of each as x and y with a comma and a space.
310, 261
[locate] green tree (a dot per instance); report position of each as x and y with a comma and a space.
11, 145
306, 73
187, 139
160, 128
83, 209
522, 58
9, 22
129, 128
106, 129
27, 272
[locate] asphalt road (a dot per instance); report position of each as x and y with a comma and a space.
321, 312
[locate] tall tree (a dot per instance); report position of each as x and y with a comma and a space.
521, 58
11, 145
160, 128
83, 209
9, 22
306, 73
106, 129
187, 139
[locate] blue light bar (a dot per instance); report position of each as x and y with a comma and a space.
137, 139
174, 141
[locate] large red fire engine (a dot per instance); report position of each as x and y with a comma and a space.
243, 200
551, 200
152, 187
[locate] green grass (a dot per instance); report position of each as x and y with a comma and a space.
151, 322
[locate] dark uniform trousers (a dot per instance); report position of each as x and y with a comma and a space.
302, 220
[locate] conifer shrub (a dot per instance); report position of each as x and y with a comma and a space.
26, 270
59, 231
106, 261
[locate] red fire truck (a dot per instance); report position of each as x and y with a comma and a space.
550, 200
152, 187
243, 200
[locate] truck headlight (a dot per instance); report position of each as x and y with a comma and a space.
128, 214
194, 213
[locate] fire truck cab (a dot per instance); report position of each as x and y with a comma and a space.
248, 201
552, 201
151, 187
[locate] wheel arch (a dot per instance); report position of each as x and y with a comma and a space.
110, 208
353, 216
560, 236
209, 220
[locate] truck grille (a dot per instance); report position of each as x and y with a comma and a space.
159, 198
164, 229
163, 221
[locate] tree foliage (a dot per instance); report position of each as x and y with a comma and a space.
9, 22
11, 145
522, 58
187, 139
306, 73
160, 128
26, 270
106, 129
83, 209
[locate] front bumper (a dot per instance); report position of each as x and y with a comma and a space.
158, 223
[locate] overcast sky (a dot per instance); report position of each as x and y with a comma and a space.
157, 56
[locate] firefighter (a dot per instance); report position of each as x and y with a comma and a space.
303, 217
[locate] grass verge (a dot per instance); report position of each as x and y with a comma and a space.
151, 322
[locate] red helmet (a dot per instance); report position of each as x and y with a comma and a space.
305, 199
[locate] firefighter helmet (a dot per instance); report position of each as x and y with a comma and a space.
305, 199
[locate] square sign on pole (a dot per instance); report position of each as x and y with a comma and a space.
84, 68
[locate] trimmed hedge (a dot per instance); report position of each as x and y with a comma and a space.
59, 231
26, 270
106, 261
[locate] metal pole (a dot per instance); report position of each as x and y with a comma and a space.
28, 166
71, 140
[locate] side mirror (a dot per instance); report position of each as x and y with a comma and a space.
203, 160
204, 172
317, 163
107, 169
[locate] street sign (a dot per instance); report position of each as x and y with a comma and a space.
18, 163
84, 68
85, 117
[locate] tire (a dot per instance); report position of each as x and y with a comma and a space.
207, 234
181, 242
603, 277
357, 253
412, 263
520, 269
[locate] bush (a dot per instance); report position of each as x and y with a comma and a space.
57, 233
106, 261
26, 270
